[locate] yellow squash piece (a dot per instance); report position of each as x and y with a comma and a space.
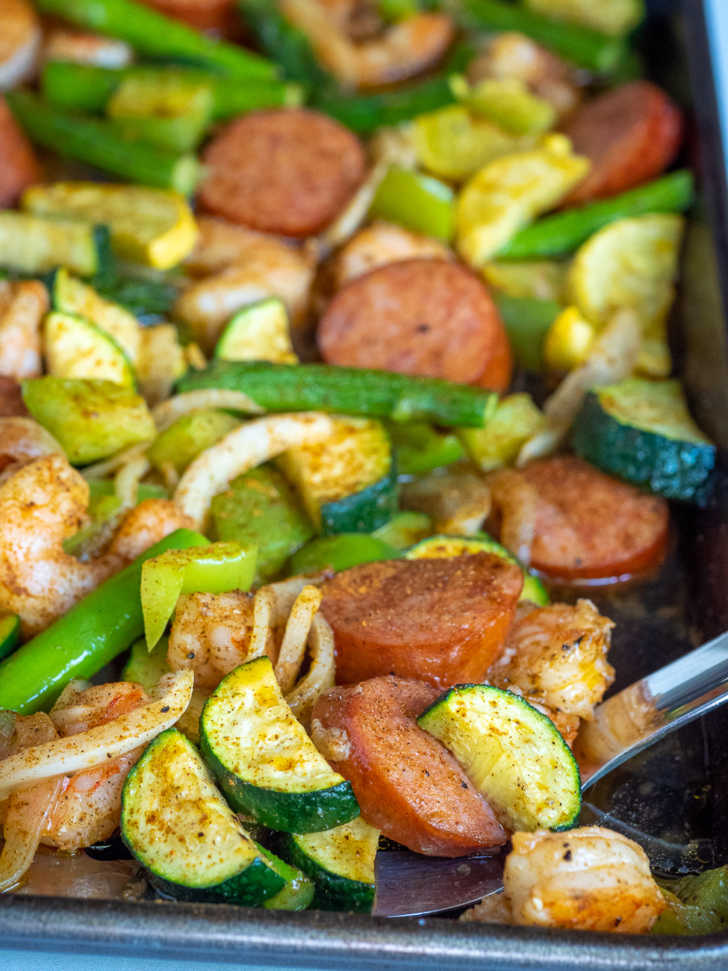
535, 279
568, 341
510, 192
150, 226
631, 264
613, 17
515, 421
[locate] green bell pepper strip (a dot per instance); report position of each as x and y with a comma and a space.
562, 233
394, 10
348, 391
86, 638
416, 201
364, 113
100, 143
9, 633
340, 552
217, 568
153, 34
581, 45
527, 321
421, 448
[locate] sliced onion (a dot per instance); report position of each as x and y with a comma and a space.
103, 469
243, 449
355, 213
293, 647
320, 675
166, 413
65, 756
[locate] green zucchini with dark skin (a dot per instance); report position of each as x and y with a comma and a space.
340, 861
261, 508
348, 391
179, 827
264, 761
642, 431
36, 245
9, 634
512, 753
284, 43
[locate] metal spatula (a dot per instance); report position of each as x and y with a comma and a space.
639, 716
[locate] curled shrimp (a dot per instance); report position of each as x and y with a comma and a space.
379, 244
88, 807
403, 50
22, 306
588, 879
557, 656
22, 440
20, 39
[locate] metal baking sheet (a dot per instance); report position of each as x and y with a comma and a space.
677, 798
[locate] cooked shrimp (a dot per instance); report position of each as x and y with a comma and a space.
240, 266
19, 42
379, 244
145, 525
22, 440
512, 56
22, 306
42, 504
211, 635
587, 879
89, 805
557, 655
84, 48
402, 51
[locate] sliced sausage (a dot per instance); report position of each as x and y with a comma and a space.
287, 171
11, 399
589, 525
407, 784
424, 316
19, 166
630, 135
202, 14
442, 621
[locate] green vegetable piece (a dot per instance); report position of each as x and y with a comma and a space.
348, 391
404, 530
534, 279
585, 47
259, 332
696, 904
76, 348
260, 508
9, 634
155, 35
298, 889
564, 232
415, 201
527, 322
172, 111
395, 10
420, 448
85, 639
91, 419
364, 113
340, 552
100, 143
216, 569
187, 437
615, 18
146, 667
285, 44
516, 419
35, 245
509, 104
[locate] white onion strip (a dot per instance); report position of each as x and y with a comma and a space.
166, 413
102, 743
243, 449
320, 676
293, 647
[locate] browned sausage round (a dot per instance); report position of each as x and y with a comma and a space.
442, 621
630, 135
19, 167
423, 316
590, 525
287, 171
407, 784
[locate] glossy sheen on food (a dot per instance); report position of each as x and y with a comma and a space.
288, 171
424, 316
442, 621
407, 784
19, 167
630, 135
590, 525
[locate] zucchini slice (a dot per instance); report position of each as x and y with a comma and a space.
298, 889
340, 552
643, 432
512, 753
186, 438
9, 633
259, 332
437, 546
340, 861
71, 296
76, 348
348, 483
33, 244
266, 764
176, 823
404, 530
